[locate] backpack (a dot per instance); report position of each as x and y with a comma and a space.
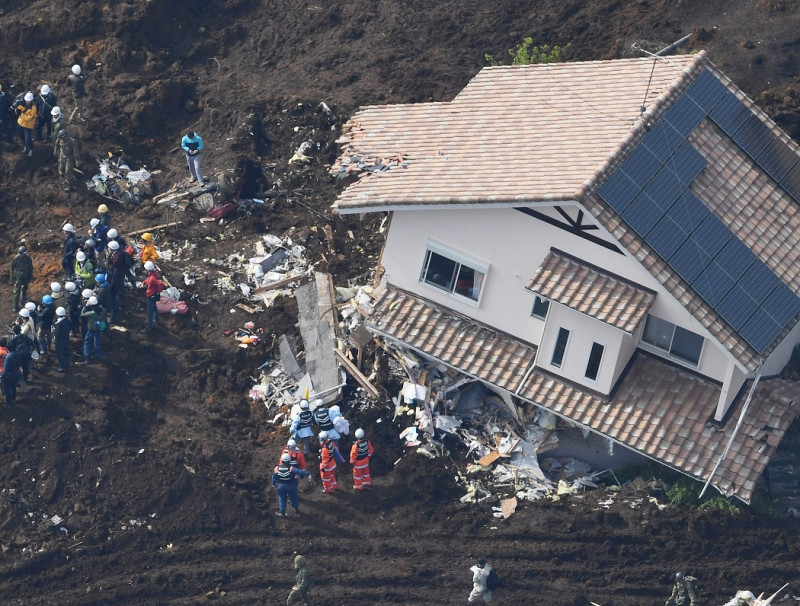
492, 581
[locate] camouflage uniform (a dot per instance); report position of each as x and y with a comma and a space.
21, 275
682, 592
65, 152
302, 583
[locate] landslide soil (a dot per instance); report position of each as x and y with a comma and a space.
156, 460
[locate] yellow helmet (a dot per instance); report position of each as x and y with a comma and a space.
147, 236
102, 208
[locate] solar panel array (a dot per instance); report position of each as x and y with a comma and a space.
650, 191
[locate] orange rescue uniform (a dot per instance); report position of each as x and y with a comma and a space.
327, 466
298, 460
360, 454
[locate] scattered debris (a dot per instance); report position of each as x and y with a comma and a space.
116, 180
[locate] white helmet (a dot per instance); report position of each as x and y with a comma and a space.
87, 293
359, 433
28, 96
304, 404
55, 286
68, 228
92, 301
149, 265
61, 312
55, 112
318, 402
76, 69
30, 306
24, 312
80, 256
70, 286
291, 443
112, 233
323, 435
45, 89
94, 222
113, 245
286, 457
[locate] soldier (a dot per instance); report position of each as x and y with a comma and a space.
21, 276
682, 591
59, 124
65, 152
77, 82
302, 583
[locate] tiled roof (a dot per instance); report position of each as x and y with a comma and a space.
472, 348
657, 409
590, 290
515, 133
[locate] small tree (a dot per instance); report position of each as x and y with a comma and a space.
525, 53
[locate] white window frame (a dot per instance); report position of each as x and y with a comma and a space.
668, 352
566, 348
457, 257
599, 364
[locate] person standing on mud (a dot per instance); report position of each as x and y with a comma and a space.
296, 457
682, 591
70, 250
302, 426
77, 82
73, 304
153, 287
21, 276
6, 133
480, 582
329, 457
10, 375
192, 144
65, 151
45, 104
302, 583
58, 124
26, 119
286, 477
61, 330
360, 454
95, 323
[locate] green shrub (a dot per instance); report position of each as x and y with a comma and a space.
683, 492
525, 53
719, 503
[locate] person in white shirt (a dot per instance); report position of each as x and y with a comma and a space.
480, 589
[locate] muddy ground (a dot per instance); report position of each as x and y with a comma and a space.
156, 460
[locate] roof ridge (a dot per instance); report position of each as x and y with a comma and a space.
674, 90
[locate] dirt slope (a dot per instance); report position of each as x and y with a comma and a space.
156, 461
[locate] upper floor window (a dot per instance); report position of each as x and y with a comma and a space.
593, 365
453, 272
561, 348
676, 341
540, 307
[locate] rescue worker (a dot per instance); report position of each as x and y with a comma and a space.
286, 477
329, 457
105, 296
46, 315
26, 119
95, 323
99, 233
90, 252
65, 150
84, 270
682, 591
116, 270
480, 588
73, 306
21, 276
45, 104
149, 252
61, 330
322, 417
360, 454
192, 144
3, 352
23, 344
55, 290
302, 583
6, 133
302, 426
296, 457
70, 249
153, 287
10, 375
86, 294
105, 216
77, 82
59, 124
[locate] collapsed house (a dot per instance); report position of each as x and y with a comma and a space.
615, 242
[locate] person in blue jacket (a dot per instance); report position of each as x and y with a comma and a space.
286, 477
302, 426
192, 144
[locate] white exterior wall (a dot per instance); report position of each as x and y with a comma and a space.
779, 358
513, 245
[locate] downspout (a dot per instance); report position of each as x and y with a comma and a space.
738, 425
669, 49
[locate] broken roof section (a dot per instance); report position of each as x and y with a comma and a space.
592, 291
658, 410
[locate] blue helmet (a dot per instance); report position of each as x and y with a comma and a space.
100, 278
47, 299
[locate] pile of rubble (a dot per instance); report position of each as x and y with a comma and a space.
117, 181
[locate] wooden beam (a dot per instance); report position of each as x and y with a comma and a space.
357, 374
155, 227
279, 283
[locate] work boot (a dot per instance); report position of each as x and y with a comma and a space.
30, 153
281, 514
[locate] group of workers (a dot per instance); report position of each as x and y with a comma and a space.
38, 113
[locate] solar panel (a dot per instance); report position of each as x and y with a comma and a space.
642, 214
663, 140
641, 165
713, 284
777, 159
760, 330
687, 163
688, 212
665, 188
689, 261
730, 114
759, 281
706, 91
754, 136
618, 191
735, 257
737, 307
711, 235
782, 304
666, 237
685, 115
791, 183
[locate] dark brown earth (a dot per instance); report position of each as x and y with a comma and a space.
156, 459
